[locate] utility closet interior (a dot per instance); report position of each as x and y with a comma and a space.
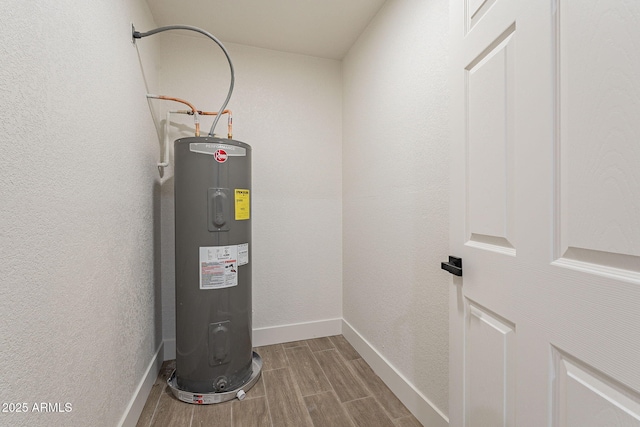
346, 107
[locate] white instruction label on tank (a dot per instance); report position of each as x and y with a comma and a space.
218, 267
243, 254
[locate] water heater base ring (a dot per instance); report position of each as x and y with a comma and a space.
209, 398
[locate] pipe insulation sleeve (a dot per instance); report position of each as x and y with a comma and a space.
139, 35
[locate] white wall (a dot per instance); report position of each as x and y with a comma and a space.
395, 183
288, 107
79, 211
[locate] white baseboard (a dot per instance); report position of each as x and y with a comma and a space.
136, 404
424, 410
296, 332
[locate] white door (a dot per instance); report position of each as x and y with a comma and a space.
545, 213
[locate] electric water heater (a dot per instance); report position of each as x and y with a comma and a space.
212, 184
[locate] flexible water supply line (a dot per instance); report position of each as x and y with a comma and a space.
139, 35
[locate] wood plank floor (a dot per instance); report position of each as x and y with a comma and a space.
322, 382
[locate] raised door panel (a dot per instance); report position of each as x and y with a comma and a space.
488, 377
475, 10
598, 193
490, 157
584, 397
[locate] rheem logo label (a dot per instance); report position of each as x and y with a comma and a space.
220, 156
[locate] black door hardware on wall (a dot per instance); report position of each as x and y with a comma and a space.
454, 266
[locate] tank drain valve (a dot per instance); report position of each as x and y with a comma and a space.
241, 395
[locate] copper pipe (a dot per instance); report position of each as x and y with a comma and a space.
229, 120
193, 108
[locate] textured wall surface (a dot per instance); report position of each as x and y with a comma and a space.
288, 107
395, 183
79, 211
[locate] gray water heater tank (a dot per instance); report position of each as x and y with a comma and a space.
212, 184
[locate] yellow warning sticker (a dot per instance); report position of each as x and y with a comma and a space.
242, 204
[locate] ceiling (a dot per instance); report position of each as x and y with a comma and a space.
322, 28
